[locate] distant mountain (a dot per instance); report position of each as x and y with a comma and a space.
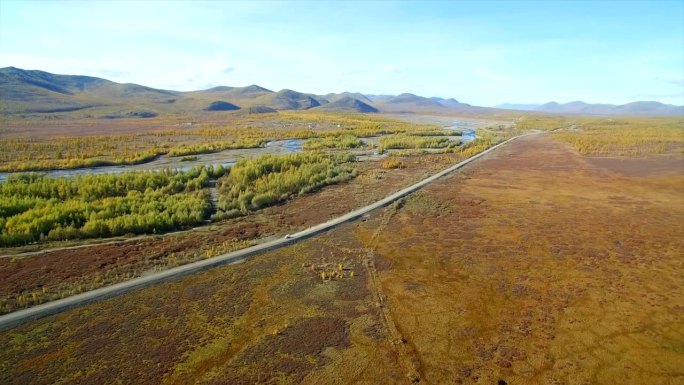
451, 102
332, 97
407, 102
288, 100
320, 99
220, 89
232, 93
575, 108
378, 98
650, 108
582, 108
250, 91
411, 103
348, 104
408, 98
43, 92
37, 93
18, 84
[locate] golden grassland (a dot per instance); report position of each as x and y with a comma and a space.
626, 136
532, 266
544, 122
539, 272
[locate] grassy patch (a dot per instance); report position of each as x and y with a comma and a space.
415, 142
393, 163
333, 142
208, 148
626, 137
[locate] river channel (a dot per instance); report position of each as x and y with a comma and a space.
227, 157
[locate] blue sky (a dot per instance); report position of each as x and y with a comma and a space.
479, 52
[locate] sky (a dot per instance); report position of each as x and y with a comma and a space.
479, 52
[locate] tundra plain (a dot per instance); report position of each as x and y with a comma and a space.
555, 260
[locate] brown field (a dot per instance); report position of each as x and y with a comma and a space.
536, 265
51, 275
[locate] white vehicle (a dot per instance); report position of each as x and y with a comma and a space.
288, 236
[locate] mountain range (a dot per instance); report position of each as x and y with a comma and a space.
36, 93
582, 108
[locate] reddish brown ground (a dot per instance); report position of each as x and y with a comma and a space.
533, 266
536, 266
640, 167
67, 271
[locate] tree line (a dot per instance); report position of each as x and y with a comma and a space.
256, 183
35, 207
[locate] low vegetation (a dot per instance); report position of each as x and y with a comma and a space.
413, 141
626, 137
256, 183
361, 124
393, 163
543, 122
484, 140
333, 142
34, 154
208, 148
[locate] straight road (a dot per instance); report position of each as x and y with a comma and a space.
13, 319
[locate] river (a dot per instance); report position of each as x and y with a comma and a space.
225, 157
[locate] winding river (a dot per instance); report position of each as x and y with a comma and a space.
226, 157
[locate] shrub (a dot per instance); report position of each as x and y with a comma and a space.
256, 183
393, 163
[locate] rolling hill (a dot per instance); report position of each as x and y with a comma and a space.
411, 99
288, 100
348, 104
451, 102
31, 93
43, 92
231, 93
332, 97
408, 102
34, 93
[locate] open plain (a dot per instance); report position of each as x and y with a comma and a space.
535, 265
